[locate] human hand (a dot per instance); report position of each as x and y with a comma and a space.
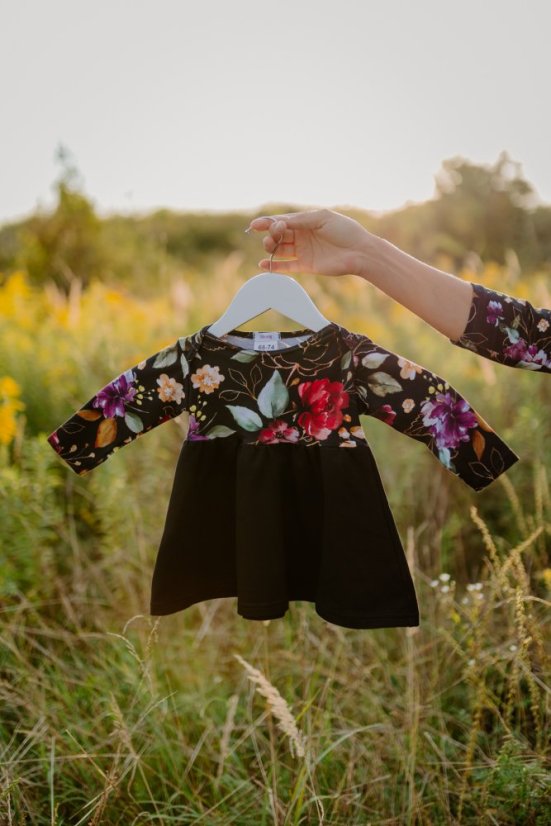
320, 241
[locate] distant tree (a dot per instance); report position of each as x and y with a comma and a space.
487, 207
66, 243
488, 210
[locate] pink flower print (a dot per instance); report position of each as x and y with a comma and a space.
53, 439
520, 351
386, 413
516, 351
278, 431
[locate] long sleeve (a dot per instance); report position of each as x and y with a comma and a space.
507, 330
424, 406
136, 401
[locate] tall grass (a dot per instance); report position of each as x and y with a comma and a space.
109, 716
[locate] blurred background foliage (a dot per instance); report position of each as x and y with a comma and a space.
109, 716
478, 214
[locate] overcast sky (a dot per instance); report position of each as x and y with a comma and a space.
233, 105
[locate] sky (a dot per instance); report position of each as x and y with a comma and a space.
215, 106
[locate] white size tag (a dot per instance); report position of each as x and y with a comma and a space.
266, 341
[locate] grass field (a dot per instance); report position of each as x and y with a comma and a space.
109, 716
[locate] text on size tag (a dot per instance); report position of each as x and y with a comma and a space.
266, 341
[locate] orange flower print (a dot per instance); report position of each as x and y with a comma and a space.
169, 389
207, 378
408, 368
345, 435
408, 405
355, 430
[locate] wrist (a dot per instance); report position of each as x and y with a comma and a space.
368, 256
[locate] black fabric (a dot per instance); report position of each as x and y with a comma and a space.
275, 525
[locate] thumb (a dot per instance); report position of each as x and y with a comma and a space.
285, 267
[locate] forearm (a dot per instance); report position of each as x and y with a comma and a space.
439, 298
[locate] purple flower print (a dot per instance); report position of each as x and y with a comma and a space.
528, 355
193, 434
494, 311
517, 350
448, 419
114, 396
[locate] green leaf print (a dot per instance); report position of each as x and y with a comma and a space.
166, 357
274, 397
513, 334
346, 359
245, 418
373, 360
245, 356
381, 384
133, 422
219, 430
185, 365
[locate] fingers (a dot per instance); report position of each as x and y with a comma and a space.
267, 221
285, 267
283, 248
277, 229
312, 219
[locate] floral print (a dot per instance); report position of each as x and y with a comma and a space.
508, 330
111, 400
170, 389
207, 379
152, 392
310, 394
408, 369
424, 406
323, 401
448, 419
278, 431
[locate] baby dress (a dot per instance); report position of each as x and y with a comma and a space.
276, 494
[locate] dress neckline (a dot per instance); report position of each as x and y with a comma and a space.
313, 338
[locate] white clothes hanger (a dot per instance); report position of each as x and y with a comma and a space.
269, 291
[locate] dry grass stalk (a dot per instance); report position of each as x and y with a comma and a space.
278, 707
